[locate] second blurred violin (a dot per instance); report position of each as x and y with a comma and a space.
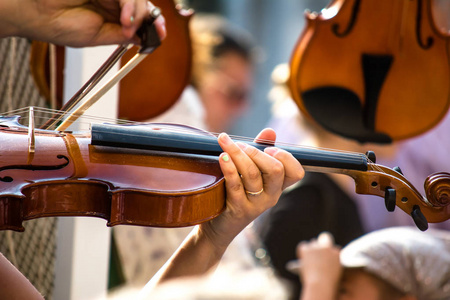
149, 89
373, 71
158, 81
47, 70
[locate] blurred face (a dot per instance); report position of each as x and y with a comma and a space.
225, 91
358, 285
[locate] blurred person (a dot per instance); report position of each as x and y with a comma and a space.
221, 77
328, 202
400, 263
222, 69
441, 11
321, 202
249, 284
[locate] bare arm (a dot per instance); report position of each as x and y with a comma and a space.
13, 285
245, 169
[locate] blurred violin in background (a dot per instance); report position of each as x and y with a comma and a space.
373, 71
149, 89
47, 69
157, 82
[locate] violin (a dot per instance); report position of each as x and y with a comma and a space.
153, 86
161, 77
373, 71
162, 175
47, 71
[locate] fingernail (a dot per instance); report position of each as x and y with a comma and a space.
271, 150
132, 19
225, 157
225, 139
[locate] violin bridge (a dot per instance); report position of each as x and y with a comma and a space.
31, 138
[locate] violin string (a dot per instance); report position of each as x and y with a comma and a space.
336, 154
178, 129
49, 112
12, 73
188, 130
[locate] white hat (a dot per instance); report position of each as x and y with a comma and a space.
415, 262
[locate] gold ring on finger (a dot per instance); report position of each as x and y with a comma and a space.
255, 193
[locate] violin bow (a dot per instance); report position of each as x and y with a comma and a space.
74, 108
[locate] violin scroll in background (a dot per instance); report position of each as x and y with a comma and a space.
373, 71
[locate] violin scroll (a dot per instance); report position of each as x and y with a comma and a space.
437, 189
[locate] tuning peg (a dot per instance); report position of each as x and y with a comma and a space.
419, 219
389, 199
397, 169
371, 156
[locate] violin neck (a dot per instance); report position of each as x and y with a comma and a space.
139, 137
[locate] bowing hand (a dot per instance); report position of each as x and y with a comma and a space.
79, 23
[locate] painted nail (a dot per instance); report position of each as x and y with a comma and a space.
132, 19
225, 157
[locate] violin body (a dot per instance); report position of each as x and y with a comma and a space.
374, 71
157, 82
67, 176
41, 71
